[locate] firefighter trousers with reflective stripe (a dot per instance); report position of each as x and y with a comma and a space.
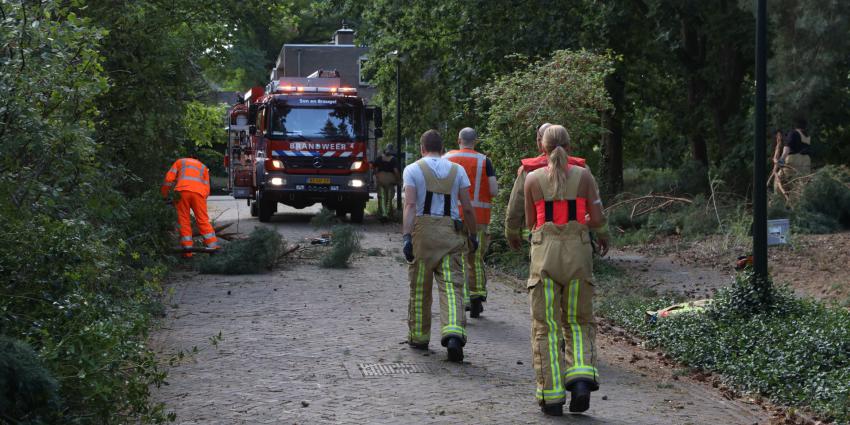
438, 250
474, 266
386, 192
561, 299
194, 203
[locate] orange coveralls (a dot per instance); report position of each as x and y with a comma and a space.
191, 179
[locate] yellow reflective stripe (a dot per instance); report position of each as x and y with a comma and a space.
417, 300
450, 291
465, 280
550, 393
479, 264
581, 371
448, 329
554, 364
572, 305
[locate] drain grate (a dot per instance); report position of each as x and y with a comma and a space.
387, 369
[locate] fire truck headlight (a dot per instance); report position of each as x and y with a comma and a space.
356, 183
356, 165
277, 181
277, 164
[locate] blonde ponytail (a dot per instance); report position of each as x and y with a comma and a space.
557, 168
556, 141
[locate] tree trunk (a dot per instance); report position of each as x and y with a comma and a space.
612, 138
694, 58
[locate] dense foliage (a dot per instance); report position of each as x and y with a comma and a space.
795, 352
824, 206
256, 254
681, 93
93, 97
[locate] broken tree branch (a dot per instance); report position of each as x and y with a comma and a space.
649, 197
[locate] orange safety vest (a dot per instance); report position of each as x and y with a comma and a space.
187, 174
479, 191
531, 164
572, 208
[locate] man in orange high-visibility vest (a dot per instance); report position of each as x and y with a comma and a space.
482, 176
191, 179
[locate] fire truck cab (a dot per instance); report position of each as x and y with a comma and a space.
302, 141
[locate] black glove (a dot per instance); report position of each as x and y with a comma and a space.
473, 240
408, 248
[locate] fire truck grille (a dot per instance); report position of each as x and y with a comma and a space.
318, 163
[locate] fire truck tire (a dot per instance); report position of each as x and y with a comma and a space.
357, 213
255, 209
265, 209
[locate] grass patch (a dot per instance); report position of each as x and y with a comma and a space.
345, 241
256, 254
374, 252
795, 352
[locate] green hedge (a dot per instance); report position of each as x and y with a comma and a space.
796, 352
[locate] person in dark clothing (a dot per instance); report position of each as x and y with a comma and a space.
387, 177
795, 161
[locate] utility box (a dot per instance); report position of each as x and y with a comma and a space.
777, 231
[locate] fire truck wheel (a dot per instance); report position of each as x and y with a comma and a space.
265, 209
357, 213
255, 209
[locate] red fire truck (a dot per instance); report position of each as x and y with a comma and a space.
302, 141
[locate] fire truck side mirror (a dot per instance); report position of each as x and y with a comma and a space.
378, 133
252, 130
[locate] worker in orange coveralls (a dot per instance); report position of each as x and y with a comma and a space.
191, 179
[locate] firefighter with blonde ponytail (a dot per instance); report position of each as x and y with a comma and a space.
562, 206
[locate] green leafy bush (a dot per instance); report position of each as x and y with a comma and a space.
796, 352
345, 241
824, 205
650, 180
256, 254
28, 392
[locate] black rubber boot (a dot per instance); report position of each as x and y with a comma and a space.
580, 400
455, 349
418, 345
476, 308
552, 409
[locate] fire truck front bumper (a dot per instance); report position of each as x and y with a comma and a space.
309, 189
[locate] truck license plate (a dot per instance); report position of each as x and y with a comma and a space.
319, 180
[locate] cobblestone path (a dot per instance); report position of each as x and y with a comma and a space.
306, 345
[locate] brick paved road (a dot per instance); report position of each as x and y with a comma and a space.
298, 341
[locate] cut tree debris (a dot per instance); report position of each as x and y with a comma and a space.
646, 204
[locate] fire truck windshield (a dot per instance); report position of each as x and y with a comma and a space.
338, 122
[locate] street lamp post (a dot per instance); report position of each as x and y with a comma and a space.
398, 122
759, 168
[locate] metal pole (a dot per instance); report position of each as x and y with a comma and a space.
759, 168
398, 126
